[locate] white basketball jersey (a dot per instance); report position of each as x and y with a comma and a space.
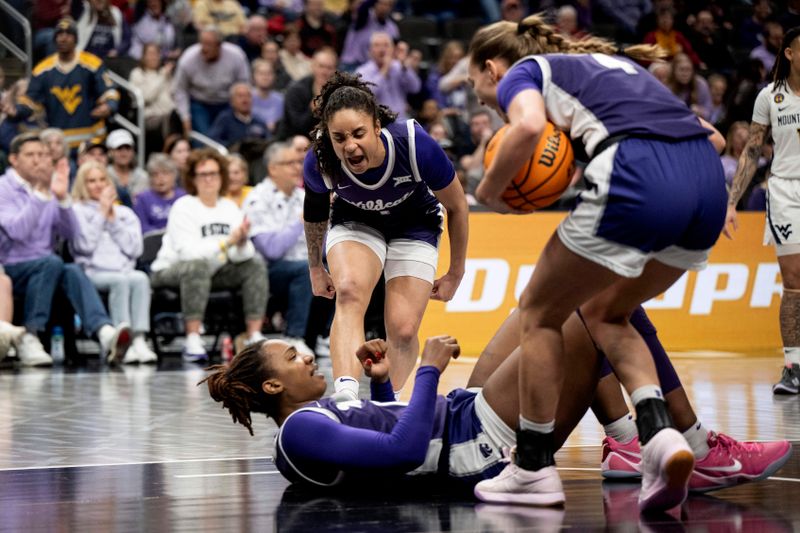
781, 111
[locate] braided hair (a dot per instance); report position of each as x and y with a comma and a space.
238, 386
342, 91
533, 35
782, 67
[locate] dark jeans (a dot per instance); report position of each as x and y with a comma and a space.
37, 280
203, 115
290, 280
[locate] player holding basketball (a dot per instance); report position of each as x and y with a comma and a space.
777, 109
655, 206
389, 179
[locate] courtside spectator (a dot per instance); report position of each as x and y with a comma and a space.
108, 242
237, 124
315, 31
296, 63
177, 147
269, 53
203, 78
275, 212
718, 87
227, 15
393, 79
751, 29
298, 112
451, 54
153, 205
766, 51
205, 247
667, 37
267, 102
35, 208
129, 178
102, 29
372, 16
154, 80
691, 88
153, 27
255, 35
72, 87
710, 43
93, 150
238, 189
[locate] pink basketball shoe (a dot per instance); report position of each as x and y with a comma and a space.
621, 460
730, 462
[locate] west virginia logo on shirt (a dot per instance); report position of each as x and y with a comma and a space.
69, 97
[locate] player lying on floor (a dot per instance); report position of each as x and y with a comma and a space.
323, 443
720, 461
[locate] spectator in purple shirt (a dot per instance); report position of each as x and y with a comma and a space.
267, 103
394, 79
152, 206
372, 17
153, 27
275, 211
766, 52
35, 208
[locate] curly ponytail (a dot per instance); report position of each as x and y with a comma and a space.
343, 91
238, 386
534, 36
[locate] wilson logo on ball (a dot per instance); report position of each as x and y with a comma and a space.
544, 177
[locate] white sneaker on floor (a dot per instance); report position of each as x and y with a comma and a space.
299, 345
9, 334
323, 347
31, 352
143, 352
667, 464
115, 341
193, 349
524, 487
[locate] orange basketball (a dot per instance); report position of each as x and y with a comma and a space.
544, 177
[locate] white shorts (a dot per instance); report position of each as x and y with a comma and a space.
631, 213
783, 215
399, 257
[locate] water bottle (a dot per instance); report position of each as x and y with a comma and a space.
227, 348
57, 345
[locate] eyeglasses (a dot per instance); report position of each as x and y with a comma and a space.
207, 175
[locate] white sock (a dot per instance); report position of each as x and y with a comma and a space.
791, 355
346, 383
646, 392
530, 425
105, 334
697, 437
621, 430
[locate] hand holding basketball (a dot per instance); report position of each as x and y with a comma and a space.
543, 178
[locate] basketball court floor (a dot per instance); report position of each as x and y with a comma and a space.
145, 449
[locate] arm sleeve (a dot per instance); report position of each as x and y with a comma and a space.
347, 447
381, 392
761, 113
90, 224
316, 206
435, 167
362, 15
522, 76
410, 80
33, 98
126, 232
105, 90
